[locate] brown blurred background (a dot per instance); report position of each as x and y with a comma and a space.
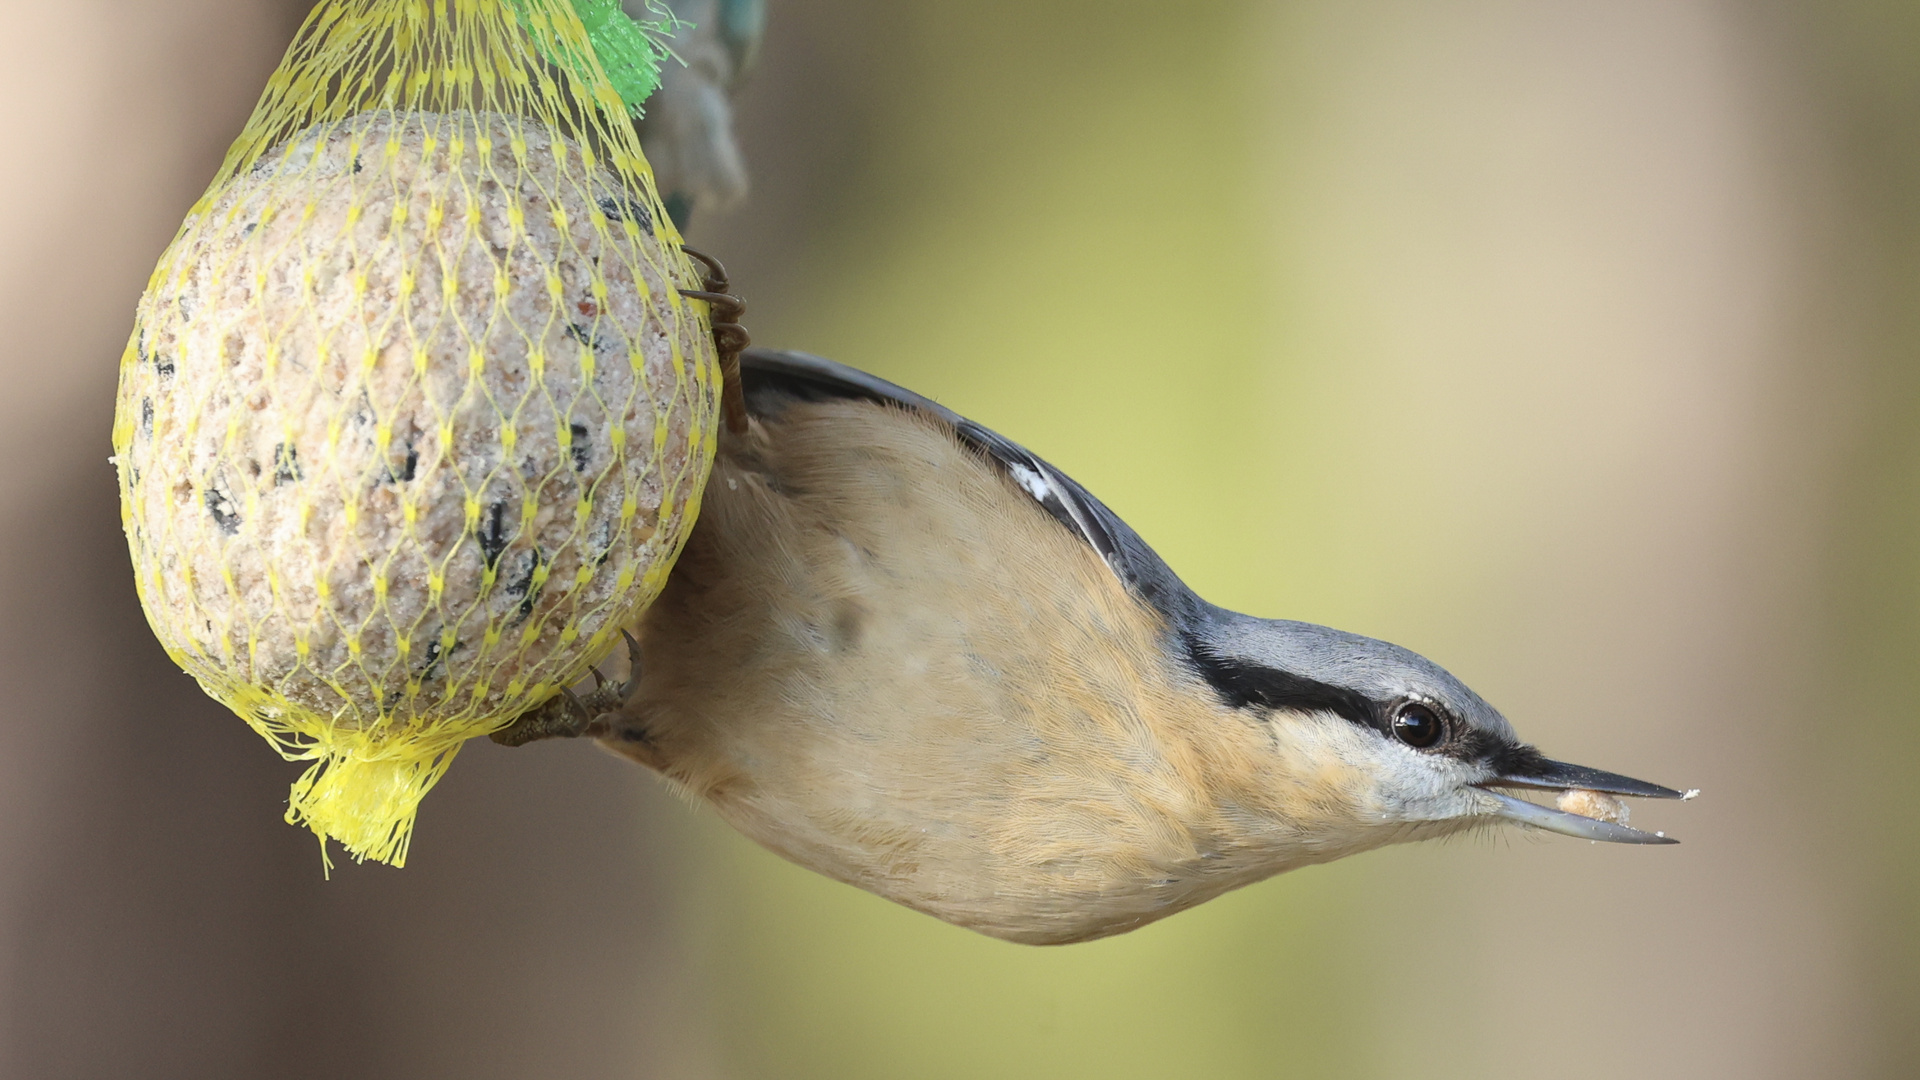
1574, 344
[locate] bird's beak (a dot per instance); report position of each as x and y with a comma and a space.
1533, 771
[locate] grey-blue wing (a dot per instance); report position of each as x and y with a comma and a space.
774, 375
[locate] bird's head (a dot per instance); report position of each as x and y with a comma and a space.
1388, 743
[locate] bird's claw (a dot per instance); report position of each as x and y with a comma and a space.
729, 337
626, 689
563, 716
567, 715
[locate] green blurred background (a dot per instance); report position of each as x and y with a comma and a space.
1573, 344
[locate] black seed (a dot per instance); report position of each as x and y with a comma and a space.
434, 656
522, 586
146, 416
519, 585
162, 365
248, 231
356, 163
618, 209
408, 466
493, 534
225, 514
583, 335
286, 464
581, 451
602, 540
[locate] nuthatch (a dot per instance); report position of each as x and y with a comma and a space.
904, 652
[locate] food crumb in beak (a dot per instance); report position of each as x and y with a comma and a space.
1593, 804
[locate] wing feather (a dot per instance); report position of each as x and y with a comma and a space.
772, 374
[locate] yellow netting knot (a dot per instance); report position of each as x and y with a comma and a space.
366, 797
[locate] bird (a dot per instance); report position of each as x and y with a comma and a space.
903, 651
687, 132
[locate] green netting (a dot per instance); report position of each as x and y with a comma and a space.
413, 419
630, 51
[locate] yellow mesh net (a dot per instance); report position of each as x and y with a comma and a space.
413, 419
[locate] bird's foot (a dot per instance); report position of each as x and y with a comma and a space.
729, 337
568, 715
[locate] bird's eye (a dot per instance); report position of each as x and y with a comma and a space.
1418, 726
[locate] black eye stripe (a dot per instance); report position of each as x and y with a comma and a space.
1243, 683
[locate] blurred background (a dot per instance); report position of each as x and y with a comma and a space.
1572, 343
